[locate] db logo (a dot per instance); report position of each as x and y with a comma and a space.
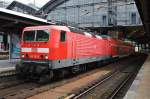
34, 49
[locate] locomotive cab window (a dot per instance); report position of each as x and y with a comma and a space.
63, 36
36, 35
29, 36
42, 35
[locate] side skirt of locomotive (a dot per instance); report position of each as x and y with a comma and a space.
72, 62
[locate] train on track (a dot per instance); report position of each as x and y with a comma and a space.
48, 51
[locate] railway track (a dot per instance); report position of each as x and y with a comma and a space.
7, 78
11, 88
113, 86
121, 90
76, 96
28, 89
85, 93
22, 90
7, 73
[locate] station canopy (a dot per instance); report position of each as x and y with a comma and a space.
143, 8
12, 22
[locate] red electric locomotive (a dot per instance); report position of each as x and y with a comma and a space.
47, 49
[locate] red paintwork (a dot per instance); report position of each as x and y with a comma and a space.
75, 46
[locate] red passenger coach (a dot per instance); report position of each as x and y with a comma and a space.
46, 49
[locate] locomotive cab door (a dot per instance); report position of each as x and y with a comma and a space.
73, 48
63, 45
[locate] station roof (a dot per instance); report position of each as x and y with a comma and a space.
21, 5
14, 21
134, 32
51, 5
143, 8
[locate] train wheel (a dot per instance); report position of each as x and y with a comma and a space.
19, 72
21, 77
83, 68
99, 64
75, 69
45, 78
63, 73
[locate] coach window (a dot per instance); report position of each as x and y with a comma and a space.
63, 36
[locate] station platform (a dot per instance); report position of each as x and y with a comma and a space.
8, 65
140, 88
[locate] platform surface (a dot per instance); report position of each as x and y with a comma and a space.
8, 64
140, 88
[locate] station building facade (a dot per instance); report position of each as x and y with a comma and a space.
96, 13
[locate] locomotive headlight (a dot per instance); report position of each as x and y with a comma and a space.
22, 55
46, 56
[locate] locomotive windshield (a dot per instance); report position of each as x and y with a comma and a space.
42, 35
29, 36
36, 35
